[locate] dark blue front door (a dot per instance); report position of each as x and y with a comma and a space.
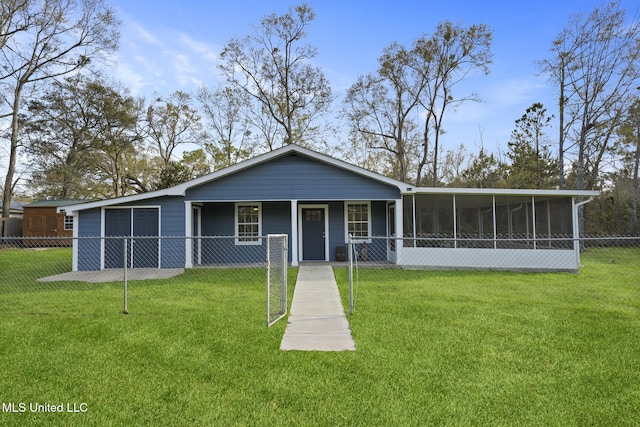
313, 234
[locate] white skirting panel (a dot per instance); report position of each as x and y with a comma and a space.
496, 259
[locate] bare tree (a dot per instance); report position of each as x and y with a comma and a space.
170, 123
47, 39
595, 65
12, 19
454, 163
383, 107
274, 69
444, 60
629, 147
225, 114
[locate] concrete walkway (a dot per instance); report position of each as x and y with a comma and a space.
317, 321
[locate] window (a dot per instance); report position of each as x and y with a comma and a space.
248, 223
358, 220
68, 222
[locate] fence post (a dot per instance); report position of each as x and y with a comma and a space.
285, 269
350, 250
126, 259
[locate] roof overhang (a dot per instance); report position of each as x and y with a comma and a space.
404, 188
503, 192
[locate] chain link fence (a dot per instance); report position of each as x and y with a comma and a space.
514, 253
35, 271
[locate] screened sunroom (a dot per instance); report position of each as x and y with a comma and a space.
502, 229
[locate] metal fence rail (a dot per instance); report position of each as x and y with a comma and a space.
31, 266
518, 253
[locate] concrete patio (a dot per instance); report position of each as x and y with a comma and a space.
114, 275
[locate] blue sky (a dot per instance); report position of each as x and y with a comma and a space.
174, 45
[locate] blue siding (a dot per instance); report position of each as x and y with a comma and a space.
336, 228
294, 178
89, 249
218, 220
274, 183
172, 223
378, 247
172, 211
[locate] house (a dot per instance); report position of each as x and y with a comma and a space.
319, 201
15, 210
47, 218
11, 226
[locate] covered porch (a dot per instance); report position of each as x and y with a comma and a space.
318, 230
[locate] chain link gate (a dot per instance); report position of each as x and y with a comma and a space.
277, 262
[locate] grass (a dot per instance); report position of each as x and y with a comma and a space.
433, 347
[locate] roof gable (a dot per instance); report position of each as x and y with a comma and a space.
286, 151
181, 189
293, 177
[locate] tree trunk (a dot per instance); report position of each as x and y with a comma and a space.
561, 136
13, 154
634, 198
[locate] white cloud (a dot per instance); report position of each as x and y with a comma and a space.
512, 92
204, 50
142, 34
130, 78
163, 60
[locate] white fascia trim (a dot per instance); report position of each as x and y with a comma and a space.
71, 209
503, 192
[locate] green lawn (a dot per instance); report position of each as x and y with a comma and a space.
433, 348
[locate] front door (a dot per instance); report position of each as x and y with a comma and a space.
313, 234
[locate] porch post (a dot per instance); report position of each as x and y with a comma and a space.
188, 227
75, 242
399, 231
293, 240
576, 230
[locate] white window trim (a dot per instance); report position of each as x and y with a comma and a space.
68, 225
346, 220
258, 240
